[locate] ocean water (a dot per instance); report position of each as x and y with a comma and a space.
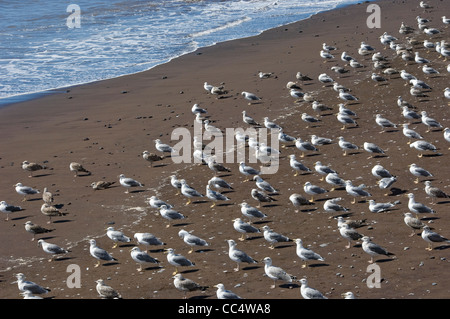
49, 44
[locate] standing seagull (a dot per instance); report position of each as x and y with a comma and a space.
99, 253
116, 236
261, 197
423, 146
248, 119
250, 97
186, 285
250, 211
308, 292
410, 133
141, 257
247, 170
25, 190
237, 255
214, 196
418, 172
223, 293
434, 192
128, 182
416, 207
26, 285
105, 291
350, 234
432, 237
429, 122
313, 190
296, 165
346, 146
373, 148
306, 254
273, 237
192, 240
164, 148
151, 157
170, 214
275, 273
177, 260
355, 191
244, 228
47, 197
78, 168
305, 146
8, 209
148, 239
31, 167
412, 222
51, 249
188, 191
35, 229
51, 211
373, 249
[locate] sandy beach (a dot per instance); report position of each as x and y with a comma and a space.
105, 126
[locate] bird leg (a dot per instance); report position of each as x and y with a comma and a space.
115, 245
242, 238
312, 199
191, 251
140, 267
175, 272
429, 248
237, 268
214, 204
354, 200
97, 264
188, 202
304, 265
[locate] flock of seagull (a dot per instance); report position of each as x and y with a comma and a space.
263, 191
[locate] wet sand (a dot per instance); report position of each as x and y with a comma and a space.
107, 125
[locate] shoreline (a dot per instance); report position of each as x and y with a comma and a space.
107, 124
23, 97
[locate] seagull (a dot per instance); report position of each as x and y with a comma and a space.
298, 200
345, 57
355, 64
386, 182
151, 157
51, 249
327, 47
218, 182
320, 107
412, 222
296, 94
285, 138
99, 253
155, 202
177, 260
331, 205
31, 167
105, 291
148, 239
377, 78
223, 293
345, 145
78, 168
429, 70
334, 179
302, 77
447, 134
273, 237
345, 120
420, 59
304, 146
401, 103
418, 172
423, 146
447, 93
128, 182
250, 96
319, 140
261, 197
407, 76
117, 236
434, 192
383, 122
192, 240
429, 122
215, 166
141, 257
306, 254
247, 170
264, 75
188, 191
101, 185
373, 148
339, 70
275, 273
186, 285
250, 211
35, 229
8, 209
355, 191
325, 78
164, 148
375, 207
350, 234
25, 190
308, 292
240, 226
373, 249
270, 124
264, 185
196, 109
313, 190
348, 295
237, 255
51, 211
211, 128
296, 165
418, 208
323, 169
248, 119
26, 285
410, 114
432, 237
431, 31
170, 214
380, 172
326, 55
419, 84
207, 87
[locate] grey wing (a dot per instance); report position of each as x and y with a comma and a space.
101, 254
249, 228
181, 260
194, 240
242, 256
146, 258
56, 249
309, 254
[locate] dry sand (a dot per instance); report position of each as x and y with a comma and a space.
107, 125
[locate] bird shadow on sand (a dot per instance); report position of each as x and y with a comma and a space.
160, 165
188, 271
289, 286
441, 247
42, 175
250, 267
137, 191
443, 202
385, 260
113, 263
318, 265
61, 221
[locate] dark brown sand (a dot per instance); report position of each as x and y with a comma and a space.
107, 125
